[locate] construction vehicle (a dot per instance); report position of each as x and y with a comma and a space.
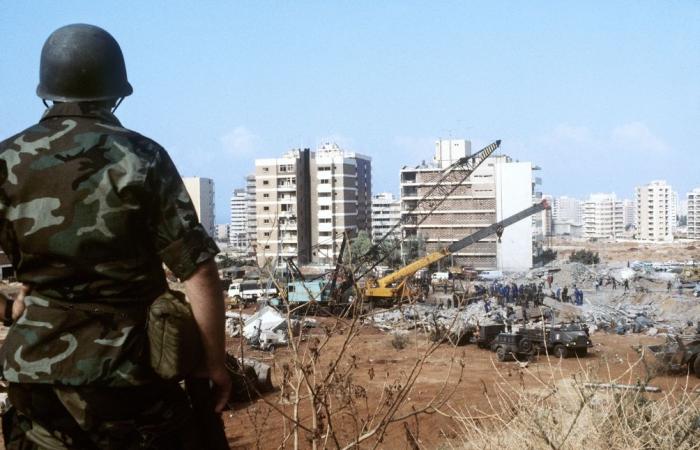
248, 291
395, 286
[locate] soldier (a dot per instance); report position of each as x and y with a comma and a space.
89, 212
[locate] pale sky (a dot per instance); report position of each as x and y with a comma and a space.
603, 96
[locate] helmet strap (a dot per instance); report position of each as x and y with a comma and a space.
43, 100
116, 105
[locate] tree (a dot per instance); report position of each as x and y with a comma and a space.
584, 257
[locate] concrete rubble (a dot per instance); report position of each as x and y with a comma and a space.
647, 306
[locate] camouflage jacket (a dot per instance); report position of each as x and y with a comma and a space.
89, 212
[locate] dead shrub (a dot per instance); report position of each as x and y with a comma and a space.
399, 341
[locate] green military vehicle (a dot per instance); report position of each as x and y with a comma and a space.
679, 353
560, 341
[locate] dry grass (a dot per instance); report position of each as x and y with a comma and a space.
566, 414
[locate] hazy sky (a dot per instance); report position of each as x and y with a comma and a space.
603, 96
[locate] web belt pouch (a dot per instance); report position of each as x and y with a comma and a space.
173, 336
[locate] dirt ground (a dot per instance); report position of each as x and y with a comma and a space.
255, 425
622, 252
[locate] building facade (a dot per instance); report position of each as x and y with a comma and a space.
693, 213
500, 187
603, 217
222, 233
656, 211
305, 202
238, 229
567, 210
201, 191
386, 213
251, 221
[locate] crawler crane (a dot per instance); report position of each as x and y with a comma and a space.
394, 286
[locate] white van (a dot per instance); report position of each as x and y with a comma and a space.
439, 276
249, 290
490, 275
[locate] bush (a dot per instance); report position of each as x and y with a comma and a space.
399, 341
584, 257
545, 257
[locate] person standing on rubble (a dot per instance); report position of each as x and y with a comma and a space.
89, 212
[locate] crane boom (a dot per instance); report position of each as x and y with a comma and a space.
381, 288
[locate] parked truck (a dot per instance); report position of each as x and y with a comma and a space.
249, 290
560, 341
679, 353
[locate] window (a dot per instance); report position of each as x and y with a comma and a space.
267, 233
266, 169
266, 182
266, 195
324, 221
325, 207
267, 247
266, 208
266, 221
324, 181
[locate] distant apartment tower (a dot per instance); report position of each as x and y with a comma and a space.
499, 188
386, 212
201, 191
693, 199
603, 217
656, 211
251, 223
238, 230
306, 201
342, 184
629, 213
222, 232
567, 209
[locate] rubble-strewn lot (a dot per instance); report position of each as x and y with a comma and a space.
620, 321
389, 342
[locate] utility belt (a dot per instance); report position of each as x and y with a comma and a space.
175, 346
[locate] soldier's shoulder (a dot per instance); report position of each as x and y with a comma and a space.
30, 133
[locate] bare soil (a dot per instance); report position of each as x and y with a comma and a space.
255, 425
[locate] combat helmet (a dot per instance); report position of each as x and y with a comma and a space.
82, 63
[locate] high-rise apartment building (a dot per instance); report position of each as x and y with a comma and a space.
693, 198
499, 188
567, 210
629, 213
603, 217
305, 202
251, 223
238, 229
656, 211
343, 187
386, 212
222, 232
201, 191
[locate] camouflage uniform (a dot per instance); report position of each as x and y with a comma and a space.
89, 212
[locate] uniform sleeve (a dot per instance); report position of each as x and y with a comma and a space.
181, 241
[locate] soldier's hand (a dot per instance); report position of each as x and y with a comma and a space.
221, 379
18, 306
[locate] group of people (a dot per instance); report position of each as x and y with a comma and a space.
523, 294
562, 295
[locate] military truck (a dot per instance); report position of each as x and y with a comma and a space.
679, 353
561, 341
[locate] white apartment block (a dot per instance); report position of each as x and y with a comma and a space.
251, 223
222, 232
567, 210
629, 212
603, 217
693, 199
305, 203
238, 230
201, 191
386, 212
656, 211
499, 188
343, 187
